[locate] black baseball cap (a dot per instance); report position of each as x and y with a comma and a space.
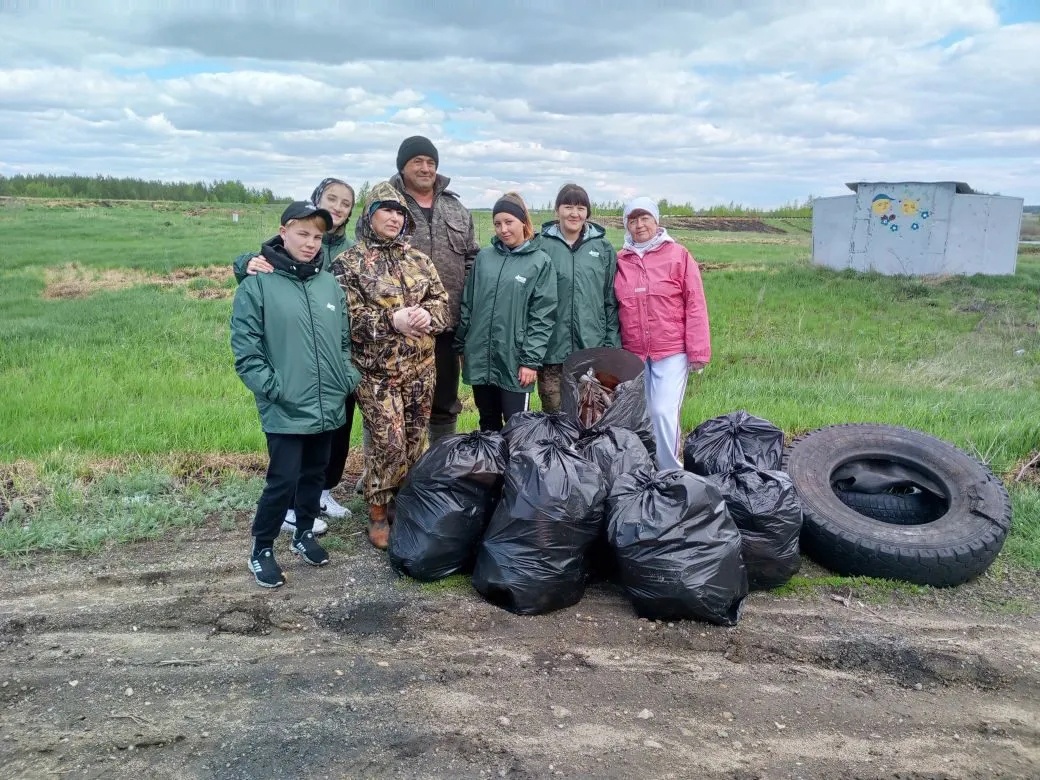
301, 209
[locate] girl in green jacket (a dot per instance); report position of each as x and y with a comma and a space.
507, 315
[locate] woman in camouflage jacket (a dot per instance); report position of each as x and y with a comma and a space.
397, 304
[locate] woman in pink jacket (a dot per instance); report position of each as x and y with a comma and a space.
664, 319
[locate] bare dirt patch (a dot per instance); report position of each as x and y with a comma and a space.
725, 224
163, 658
730, 267
1027, 470
19, 483
74, 281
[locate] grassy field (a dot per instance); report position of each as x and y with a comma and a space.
112, 349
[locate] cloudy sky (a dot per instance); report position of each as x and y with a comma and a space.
699, 101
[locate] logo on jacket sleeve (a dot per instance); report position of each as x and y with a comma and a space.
521, 279
593, 253
330, 307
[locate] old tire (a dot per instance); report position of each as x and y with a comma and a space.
950, 550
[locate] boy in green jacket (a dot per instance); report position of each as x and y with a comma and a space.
290, 334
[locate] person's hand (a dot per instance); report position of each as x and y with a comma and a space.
527, 376
695, 367
257, 264
420, 319
402, 323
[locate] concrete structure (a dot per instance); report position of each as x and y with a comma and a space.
911, 227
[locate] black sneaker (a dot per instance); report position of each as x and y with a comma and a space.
265, 568
308, 548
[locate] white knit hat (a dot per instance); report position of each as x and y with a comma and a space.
642, 204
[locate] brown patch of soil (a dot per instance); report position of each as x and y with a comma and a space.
730, 267
73, 281
1026, 470
19, 482
189, 467
165, 659
726, 224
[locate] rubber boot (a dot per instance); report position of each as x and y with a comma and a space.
439, 430
378, 528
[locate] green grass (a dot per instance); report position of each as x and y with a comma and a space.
147, 370
64, 511
867, 589
1024, 542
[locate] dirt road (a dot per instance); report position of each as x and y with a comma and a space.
164, 660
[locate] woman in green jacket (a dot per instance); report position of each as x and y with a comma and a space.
507, 315
585, 263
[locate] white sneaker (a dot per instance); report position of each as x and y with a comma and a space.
289, 525
332, 507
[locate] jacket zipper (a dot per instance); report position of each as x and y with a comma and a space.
574, 283
494, 304
317, 363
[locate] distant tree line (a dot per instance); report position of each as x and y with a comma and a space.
40, 185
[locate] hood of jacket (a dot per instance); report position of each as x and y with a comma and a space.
589, 232
382, 193
533, 244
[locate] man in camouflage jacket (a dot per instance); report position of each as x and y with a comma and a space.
443, 232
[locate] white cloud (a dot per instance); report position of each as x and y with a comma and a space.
761, 105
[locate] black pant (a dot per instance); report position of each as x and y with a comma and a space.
496, 405
446, 406
340, 448
297, 467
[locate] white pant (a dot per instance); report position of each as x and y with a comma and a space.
665, 387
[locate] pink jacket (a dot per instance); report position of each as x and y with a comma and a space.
661, 304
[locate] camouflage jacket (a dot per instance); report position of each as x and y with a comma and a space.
449, 239
379, 277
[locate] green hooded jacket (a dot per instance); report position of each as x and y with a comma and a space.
290, 334
506, 316
332, 245
587, 314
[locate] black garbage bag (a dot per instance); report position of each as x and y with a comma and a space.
677, 547
627, 408
533, 556
766, 509
733, 440
616, 451
445, 504
525, 429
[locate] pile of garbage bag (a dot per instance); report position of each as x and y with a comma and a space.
559, 500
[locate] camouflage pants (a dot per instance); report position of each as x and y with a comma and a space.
550, 378
396, 412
